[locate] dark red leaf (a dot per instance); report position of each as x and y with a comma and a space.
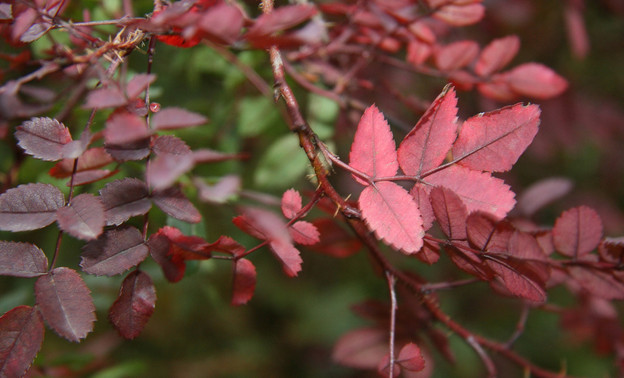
83, 217
138, 84
429, 254
542, 193
577, 232
29, 207
116, 251
173, 202
424, 205
124, 199
227, 245
205, 155
460, 15
227, 187
22, 260
169, 144
373, 151
477, 190
21, 336
470, 263
304, 233
497, 88
91, 176
336, 242
105, 98
494, 141
43, 138
173, 269
450, 212
361, 348
488, 233
65, 303
130, 151
598, 283
280, 19
124, 128
522, 278
175, 118
411, 358
392, 214
91, 159
496, 55
221, 23
427, 145
291, 203
182, 247
612, 250
35, 32
244, 282
537, 81
134, 305
456, 55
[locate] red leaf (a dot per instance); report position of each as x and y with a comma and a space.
221, 23
523, 278
21, 336
291, 203
424, 205
138, 84
488, 233
497, 88
470, 263
279, 19
182, 247
124, 199
130, 151
173, 202
460, 15
383, 367
477, 190
91, 159
577, 232
542, 193
173, 269
456, 55
227, 245
116, 251
65, 303
176, 118
165, 169
392, 214
537, 81
304, 233
361, 348
124, 128
429, 254
373, 151
22, 260
244, 282
450, 212
134, 305
494, 141
336, 242
426, 146
83, 217
496, 55
598, 283
29, 207
91, 176
105, 98
43, 138
411, 358
288, 255
525, 246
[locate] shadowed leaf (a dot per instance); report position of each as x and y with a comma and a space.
336, 242
134, 305
244, 282
598, 283
124, 199
173, 269
91, 159
43, 138
450, 212
456, 55
522, 278
176, 118
21, 336
173, 202
29, 207
83, 217
105, 98
65, 303
361, 348
410, 358
116, 251
577, 232
138, 84
22, 260
488, 233
542, 193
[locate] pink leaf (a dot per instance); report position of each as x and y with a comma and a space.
411, 358
43, 138
494, 141
477, 190
542, 193
424, 205
577, 232
138, 84
392, 214
83, 217
537, 81
124, 128
116, 251
291, 203
525, 246
105, 98
456, 55
373, 151
426, 146
65, 303
165, 169
222, 23
124, 199
460, 15
22, 260
304, 233
21, 336
288, 255
29, 207
279, 19
173, 202
176, 118
361, 348
598, 283
336, 242
227, 187
134, 305
497, 55
244, 282
450, 212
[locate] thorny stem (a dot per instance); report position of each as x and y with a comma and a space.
309, 142
393, 308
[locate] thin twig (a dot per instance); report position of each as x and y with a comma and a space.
393, 308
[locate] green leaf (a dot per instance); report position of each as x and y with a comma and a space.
283, 164
256, 115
